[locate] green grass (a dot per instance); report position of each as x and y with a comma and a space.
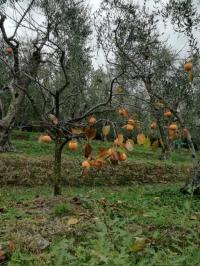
109, 221
27, 143
98, 225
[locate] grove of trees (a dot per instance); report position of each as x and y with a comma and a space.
49, 83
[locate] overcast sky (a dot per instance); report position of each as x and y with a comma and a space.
177, 41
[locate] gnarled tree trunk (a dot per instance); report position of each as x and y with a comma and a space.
20, 85
7, 123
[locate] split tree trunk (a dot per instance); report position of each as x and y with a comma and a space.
8, 121
20, 85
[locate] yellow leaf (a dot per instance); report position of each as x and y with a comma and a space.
129, 145
72, 221
141, 139
77, 131
120, 138
139, 244
106, 130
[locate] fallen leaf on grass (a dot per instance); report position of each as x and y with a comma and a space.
139, 244
2, 254
12, 245
72, 221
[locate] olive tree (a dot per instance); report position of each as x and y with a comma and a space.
128, 33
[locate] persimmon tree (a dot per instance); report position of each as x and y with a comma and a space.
186, 20
129, 35
66, 111
44, 63
64, 130
25, 48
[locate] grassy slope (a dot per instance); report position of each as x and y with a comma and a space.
27, 143
109, 220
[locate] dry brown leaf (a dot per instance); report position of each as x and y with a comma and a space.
72, 221
103, 152
126, 114
88, 150
98, 163
2, 256
114, 158
90, 133
12, 245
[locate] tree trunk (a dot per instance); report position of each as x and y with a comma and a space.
57, 169
8, 121
165, 154
19, 88
5, 143
192, 186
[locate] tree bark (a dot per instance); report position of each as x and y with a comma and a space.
192, 186
165, 154
57, 169
8, 121
20, 85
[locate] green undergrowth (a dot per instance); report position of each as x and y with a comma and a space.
152, 225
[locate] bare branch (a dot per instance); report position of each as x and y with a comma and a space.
22, 18
93, 109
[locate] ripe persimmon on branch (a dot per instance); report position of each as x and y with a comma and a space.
61, 130
178, 116
130, 39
